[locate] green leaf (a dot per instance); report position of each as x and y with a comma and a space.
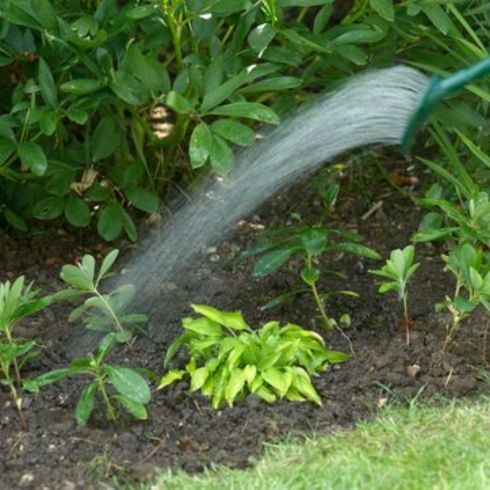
74, 276
49, 122
178, 103
221, 155
14, 220
128, 225
235, 385
223, 92
249, 110
107, 263
129, 383
279, 380
261, 36
142, 199
32, 156
137, 13
384, 8
233, 131
200, 145
110, 222
171, 377
49, 208
82, 86
137, 410
105, 139
310, 275
271, 262
47, 84
273, 85
85, 403
77, 211
438, 17
203, 326
230, 319
198, 378
7, 149
357, 249
315, 241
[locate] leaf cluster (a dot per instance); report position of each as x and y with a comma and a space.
229, 360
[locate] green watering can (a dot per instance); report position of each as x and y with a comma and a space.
436, 90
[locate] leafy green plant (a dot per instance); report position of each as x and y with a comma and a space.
308, 243
17, 301
471, 270
105, 102
398, 270
100, 312
229, 360
129, 389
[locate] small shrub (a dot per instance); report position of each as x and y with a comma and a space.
229, 360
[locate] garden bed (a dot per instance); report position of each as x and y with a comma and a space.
183, 431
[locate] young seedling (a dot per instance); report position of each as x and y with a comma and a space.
102, 312
229, 360
129, 389
309, 243
471, 270
17, 301
399, 268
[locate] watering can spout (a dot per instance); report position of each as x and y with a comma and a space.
436, 90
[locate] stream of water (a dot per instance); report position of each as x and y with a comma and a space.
371, 109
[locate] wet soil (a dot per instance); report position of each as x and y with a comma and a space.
183, 431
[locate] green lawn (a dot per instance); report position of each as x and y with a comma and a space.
406, 448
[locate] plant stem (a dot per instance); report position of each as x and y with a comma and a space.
111, 413
406, 319
328, 322
112, 313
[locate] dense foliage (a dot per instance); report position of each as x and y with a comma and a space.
106, 104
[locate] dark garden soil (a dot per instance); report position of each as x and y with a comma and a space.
183, 430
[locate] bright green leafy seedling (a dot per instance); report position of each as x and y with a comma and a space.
130, 389
17, 301
229, 360
102, 312
471, 270
398, 270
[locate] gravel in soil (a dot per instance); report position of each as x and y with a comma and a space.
183, 430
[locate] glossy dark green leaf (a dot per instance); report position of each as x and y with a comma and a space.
105, 139
82, 86
142, 198
85, 405
248, 110
271, 262
137, 410
33, 156
261, 36
109, 223
200, 145
77, 211
129, 383
233, 131
7, 149
385, 8
48, 87
221, 155
49, 208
